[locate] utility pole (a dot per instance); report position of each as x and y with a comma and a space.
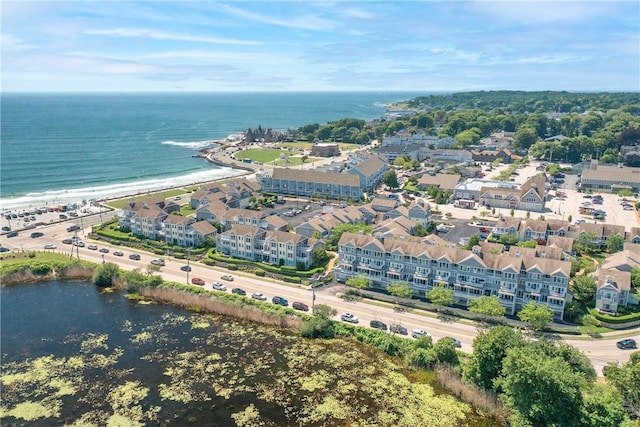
313, 300
188, 267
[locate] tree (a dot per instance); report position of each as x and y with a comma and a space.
358, 282
586, 242
536, 315
590, 322
603, 407
615, 243
635, 278
540, 390
319, 257
525, 137
336, 233
325, 311
625, 192
105, 274
400, 289
473, 241
440, 295
626, 379
489, 349
152, 268
487, 305
390, 179
445, 350
584, 289
509, 239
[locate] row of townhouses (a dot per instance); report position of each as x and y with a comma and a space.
517, 276
614, 279
361, 177
273, 247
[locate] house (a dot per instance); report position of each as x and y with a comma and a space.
600, 232
507, 225
176, 230
383, 205
201, 231
472, 188
612, 290
534, 229
489, 156
531, 196
443, 181
419, 211
633, 235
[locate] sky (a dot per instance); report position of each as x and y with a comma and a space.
233, 46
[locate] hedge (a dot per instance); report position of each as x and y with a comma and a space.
284, 270
614, 319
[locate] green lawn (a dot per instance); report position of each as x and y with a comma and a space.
294, 161
119, 204
263, 155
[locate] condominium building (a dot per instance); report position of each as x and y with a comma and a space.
308, 183
515, 278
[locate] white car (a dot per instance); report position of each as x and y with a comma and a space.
50, 246
158, 261
93, 247
259, 296
219, 286
348, 317
418, 333
227, 277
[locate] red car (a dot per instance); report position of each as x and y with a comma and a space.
197, 281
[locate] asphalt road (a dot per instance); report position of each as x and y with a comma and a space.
599, 350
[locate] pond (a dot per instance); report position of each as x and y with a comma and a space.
73, 355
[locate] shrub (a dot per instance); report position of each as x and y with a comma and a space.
260, 273
318, 327
232, 267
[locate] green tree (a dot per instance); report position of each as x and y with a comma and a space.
615, 243
625, 192
509, 239
536, 315
337, 232
473, 241
445, 350
540, 390
489, 349
319, 257
584, 289
635, 278
325, 311
400, 289
603, 407
358, 282
525, 137
487, 305
105, 274
586, 242
440, 295
590, 322
626, 379
390, 179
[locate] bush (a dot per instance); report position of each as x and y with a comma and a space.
260, 273
614, 319
317, 327
232, 267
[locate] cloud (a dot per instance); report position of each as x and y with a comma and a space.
11, 43
303, 21
165, 35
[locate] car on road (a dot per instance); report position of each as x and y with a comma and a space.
93, 247
227, 277
280, 301
398, 329
78, 243
36, 234
118, 253
456, 342
185, 268
419, 333
626, 344
135, 257
158, 261
300, 306
349, 317
73, 228
67, 241
6, 228
104, 250
12, 234
377, 324
259, 296
238, 291
3, 249
50, 246
219, 286
197, 281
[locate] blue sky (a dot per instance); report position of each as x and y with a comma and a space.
328, 46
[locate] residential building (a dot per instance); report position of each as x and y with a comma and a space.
308, 183
489, 156
176, 230
443, 181
370, 172
392, 152
531, 196
613, 290
515, 279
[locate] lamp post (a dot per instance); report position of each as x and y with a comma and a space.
313, 300
188, 267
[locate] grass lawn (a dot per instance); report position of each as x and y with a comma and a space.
263, 155
186, 210
299, 144
119, 204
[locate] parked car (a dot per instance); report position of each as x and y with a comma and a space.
93, 247
398, 329
185, 268
280, 301
238, 291
67, 241
227, 277
135, 257
36, 234
6, 228
418, 333
219, 286
50, 246
626, 344
259, 296
348, 317
118, 253
197, 281
300, 306
104, 250
378, 325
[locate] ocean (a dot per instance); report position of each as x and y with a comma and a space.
69, 147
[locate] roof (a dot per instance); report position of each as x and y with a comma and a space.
616, 278
612, 174
370, 166
442, 180
204, 227
318, 177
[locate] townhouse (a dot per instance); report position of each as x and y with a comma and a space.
312, 183
273, 247
235, 193
612, 290
515, 278
370, 172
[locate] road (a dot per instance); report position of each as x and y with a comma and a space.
599, 350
